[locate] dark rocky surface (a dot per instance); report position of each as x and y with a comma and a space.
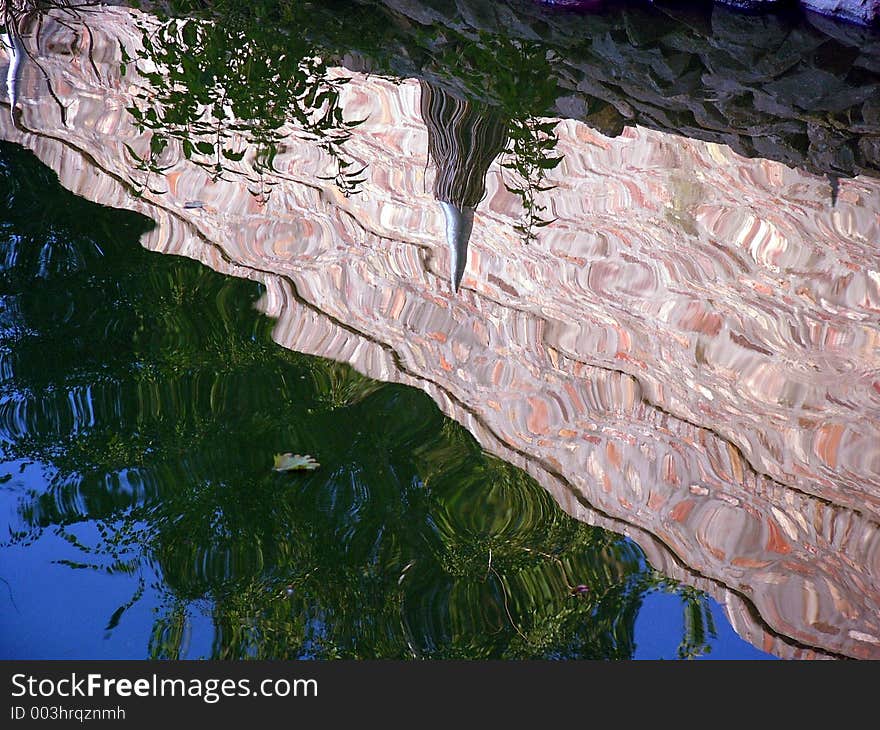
798, 88
866, 12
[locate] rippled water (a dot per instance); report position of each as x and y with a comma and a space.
630, 254
142, 402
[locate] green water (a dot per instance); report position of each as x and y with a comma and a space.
141, 402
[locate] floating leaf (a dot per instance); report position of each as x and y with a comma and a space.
294, 462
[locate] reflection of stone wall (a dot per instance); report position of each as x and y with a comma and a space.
689, 355
806, 93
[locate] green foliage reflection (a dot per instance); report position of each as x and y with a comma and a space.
224, 88
154, 398
234, 75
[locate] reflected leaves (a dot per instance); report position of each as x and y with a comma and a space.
531, 155
518, 77
699, 625
223, 91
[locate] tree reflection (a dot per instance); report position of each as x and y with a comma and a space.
154, 398
226, 89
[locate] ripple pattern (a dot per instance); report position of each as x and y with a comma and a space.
688, 355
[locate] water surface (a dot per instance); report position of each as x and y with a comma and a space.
143, 400
669, 324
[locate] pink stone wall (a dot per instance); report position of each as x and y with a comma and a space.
689, 354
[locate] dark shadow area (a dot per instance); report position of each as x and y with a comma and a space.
789, 86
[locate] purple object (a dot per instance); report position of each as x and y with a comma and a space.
574, 4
